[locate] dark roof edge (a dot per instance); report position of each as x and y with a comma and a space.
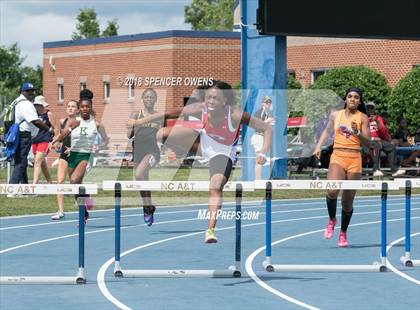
145, 36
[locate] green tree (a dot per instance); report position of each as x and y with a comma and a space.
34, 75
87, 26
292, 83
405, 100
11, 75
210, 15
374, 85
329, 88
10, 65
111, 29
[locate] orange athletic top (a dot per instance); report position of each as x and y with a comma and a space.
342, 130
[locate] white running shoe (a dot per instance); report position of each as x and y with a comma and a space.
58, 216
378, 173
398, 173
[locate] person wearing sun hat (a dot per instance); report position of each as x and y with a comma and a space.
40, 143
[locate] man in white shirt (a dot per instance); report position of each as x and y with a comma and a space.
26, 116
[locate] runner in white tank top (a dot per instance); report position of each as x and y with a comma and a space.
83, 130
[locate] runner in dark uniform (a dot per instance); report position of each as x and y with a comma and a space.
146, 152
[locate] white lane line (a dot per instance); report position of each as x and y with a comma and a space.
101, 273
179, 211
168, 222
165, 222
251, 257
176, 221
87, 233
358, 200
395, 270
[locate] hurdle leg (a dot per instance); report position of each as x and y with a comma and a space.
80, 277
267, 264
406, 259
236, 268
117, 267
384, 197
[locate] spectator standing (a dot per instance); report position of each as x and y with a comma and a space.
266, 115
26, 116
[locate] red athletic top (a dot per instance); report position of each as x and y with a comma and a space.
225, 133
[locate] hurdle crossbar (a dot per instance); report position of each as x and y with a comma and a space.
406, 259
174, 186
65, 189
232, 271
325, 185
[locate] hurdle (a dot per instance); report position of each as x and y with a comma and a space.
325, 185
119, 186
64, 189
406, 259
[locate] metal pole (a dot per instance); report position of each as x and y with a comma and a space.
384, 196
81, 202
268, 196
117, 268
238, 220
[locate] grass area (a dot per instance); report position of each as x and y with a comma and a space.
105, 199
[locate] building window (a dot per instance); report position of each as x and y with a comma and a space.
315, 74
83, 86
131, 87
60, 93
107, 91
291, 73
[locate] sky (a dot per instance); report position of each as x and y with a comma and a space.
31, 23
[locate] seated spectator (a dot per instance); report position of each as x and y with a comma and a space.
401, 134
381, 142
414, 157
401, 138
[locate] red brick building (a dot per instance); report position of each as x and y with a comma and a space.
107, 65
309, 57
103, 64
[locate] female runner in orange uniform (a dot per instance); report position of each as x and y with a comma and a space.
351, 129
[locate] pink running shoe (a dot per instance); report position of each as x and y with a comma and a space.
329, 230
342, 240
89, 203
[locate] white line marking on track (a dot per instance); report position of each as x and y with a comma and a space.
87, 233
175, 212
167, 222
358, 199
395, 270
107, 294
251, 257
174, 221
